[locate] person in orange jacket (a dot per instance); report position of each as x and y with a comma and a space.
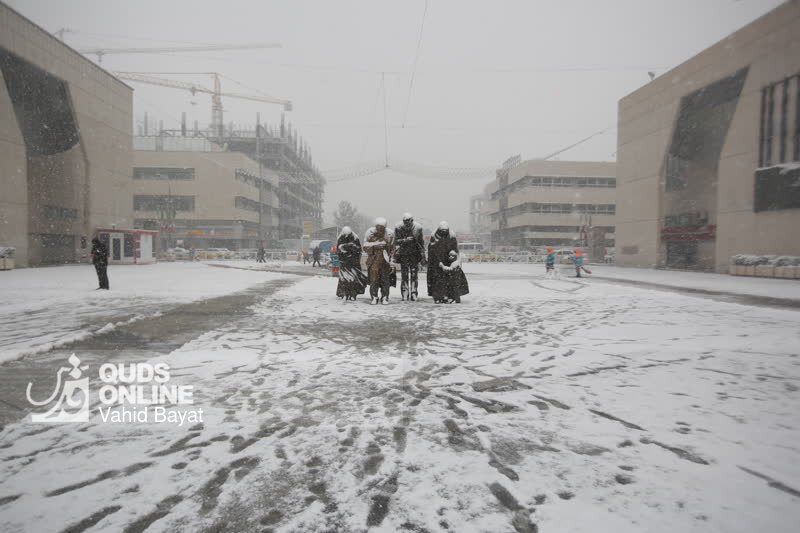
577, 259
550, 263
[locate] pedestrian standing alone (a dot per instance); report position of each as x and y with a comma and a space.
100, 261
409, 252
550, 263
317, 253
378, 244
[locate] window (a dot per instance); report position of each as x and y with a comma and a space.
60, 213
776, 147
144, 202
246, 203
128, 245
157, 173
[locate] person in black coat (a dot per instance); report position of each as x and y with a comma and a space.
317, 253
410, 252
444, 268
352, 280
100, 261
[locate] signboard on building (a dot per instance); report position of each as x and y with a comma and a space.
308, 228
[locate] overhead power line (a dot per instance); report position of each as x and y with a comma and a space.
416, 59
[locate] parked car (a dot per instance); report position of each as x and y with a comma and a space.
215, 253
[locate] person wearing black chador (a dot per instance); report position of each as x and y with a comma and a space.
352, 281
455, 281
100, 261
441, 263
409, 252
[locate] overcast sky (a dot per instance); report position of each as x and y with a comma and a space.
493, 78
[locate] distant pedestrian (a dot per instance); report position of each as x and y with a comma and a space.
261, 256
304, 253
577, 259
550, 263
317, 253
100, 261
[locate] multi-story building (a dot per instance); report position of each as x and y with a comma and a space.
481, 207
197, 194
301, 186
709, 153
554, 203
65, 146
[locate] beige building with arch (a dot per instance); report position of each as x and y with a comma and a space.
708, 158
65, 146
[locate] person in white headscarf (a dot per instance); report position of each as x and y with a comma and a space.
409, 252
446, 281
352, 281
378, 243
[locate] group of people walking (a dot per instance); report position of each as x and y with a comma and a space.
405, 245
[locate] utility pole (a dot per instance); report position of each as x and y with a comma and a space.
385, 123
260, 183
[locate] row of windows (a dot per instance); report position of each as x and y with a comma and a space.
563, 209
251, 205
560, 181
146, 202
248, 177
564, 229
157, 173
60, 213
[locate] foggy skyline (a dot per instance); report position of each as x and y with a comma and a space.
493, 79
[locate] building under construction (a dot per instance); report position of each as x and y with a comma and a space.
277, 151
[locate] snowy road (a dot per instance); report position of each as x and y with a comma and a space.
565, 405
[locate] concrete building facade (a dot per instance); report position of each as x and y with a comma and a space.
65, 146
709, 153
554, 203
481, 207
196, 194
282, 151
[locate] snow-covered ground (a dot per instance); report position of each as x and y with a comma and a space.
565, 405
46, 307
723, 283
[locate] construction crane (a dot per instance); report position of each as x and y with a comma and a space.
216, 93
100, 52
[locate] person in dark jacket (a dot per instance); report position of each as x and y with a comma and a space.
352, 280
409, 252
440, 263
455, 281
317, 253
100, 261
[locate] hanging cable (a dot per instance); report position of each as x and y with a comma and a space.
416, 59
